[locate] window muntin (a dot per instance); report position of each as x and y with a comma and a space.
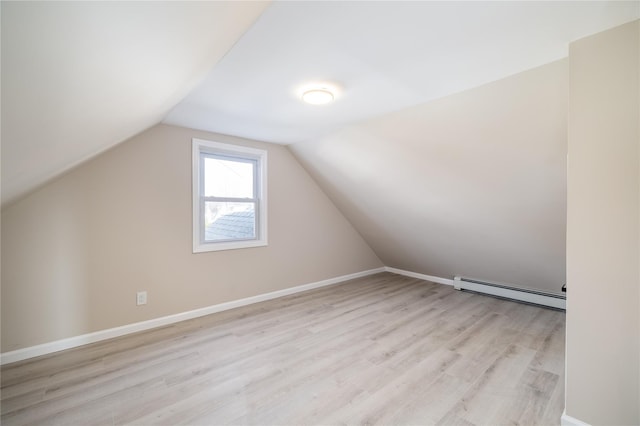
229, 200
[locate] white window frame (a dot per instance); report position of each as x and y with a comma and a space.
243, 153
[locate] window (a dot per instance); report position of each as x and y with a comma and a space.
229, 196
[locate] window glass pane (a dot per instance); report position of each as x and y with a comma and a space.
229, 221
228, 178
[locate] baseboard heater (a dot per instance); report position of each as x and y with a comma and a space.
556, 301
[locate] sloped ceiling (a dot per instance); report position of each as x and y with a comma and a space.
79, 77
473, 184
441, 170
384, 56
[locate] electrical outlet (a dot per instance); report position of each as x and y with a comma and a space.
141, 298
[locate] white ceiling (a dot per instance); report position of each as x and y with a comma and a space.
386, 56
80, 77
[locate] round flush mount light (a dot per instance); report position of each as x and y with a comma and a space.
318, 93
317, 96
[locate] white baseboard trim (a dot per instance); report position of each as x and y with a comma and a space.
431, 278
84, 339
567, 420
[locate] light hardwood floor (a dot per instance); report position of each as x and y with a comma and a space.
384, 349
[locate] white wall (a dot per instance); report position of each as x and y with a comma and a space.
75, 252
603, 217
472, 184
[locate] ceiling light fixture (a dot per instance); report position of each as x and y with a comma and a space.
318, 96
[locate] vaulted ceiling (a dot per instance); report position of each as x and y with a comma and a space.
80, 77
445, 145
473, 184
383, 56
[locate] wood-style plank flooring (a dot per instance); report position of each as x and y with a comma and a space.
383, 349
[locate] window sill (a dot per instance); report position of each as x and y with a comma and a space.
232, 245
